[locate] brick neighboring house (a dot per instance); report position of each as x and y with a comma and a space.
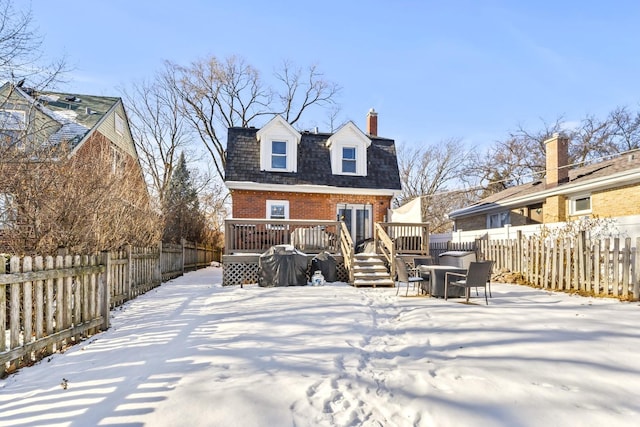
277, 172
610, 188
87, 125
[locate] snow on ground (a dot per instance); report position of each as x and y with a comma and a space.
194, 353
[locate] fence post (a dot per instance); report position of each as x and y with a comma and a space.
581, 261
106, 290
3, 312
519, 251
129, 271
626, 264
159, 263
636, 279
183, 241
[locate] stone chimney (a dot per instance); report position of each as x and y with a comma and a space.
372, 122
557, 155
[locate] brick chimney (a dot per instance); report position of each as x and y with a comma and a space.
372, 122
557, 155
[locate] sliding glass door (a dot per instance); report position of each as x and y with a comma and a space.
358, 219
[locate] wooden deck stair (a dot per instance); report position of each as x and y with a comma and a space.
369, 270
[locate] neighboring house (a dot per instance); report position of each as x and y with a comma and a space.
277, 172
609, 188
84, 125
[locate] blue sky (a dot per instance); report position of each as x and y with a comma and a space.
432, 69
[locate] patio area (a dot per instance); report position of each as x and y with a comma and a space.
338, 355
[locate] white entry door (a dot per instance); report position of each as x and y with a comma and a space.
358, 219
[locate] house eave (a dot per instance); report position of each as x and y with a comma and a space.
622, 178
309, 188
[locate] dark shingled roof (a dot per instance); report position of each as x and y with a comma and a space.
314, 163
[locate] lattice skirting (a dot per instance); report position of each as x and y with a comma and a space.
244, 273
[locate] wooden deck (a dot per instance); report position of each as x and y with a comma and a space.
246, 239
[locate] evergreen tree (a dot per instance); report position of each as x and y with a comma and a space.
181, 209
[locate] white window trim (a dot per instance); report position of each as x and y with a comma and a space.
572, 205
349, 136
361, 159
267, 152
278, 130
119, 124
271, 203
8, 213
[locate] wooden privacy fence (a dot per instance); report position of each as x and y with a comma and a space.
607, 267
48, 303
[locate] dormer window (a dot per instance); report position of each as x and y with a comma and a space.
348, 147
278, 146
278, 154
348, 159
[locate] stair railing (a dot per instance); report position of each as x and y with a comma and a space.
348, 250
386, 246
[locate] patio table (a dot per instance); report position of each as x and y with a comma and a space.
436, 276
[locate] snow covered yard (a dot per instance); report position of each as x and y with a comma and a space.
192, 352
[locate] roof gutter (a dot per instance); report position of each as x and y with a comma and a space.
306, 188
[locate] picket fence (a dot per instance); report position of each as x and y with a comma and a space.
604, 267
49, 303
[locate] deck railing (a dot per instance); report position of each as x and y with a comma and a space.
258, 235
408, 238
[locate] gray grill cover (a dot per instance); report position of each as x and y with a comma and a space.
327, 264
282, 266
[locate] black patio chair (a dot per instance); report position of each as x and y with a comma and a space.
425, 286
478, 276
402, 272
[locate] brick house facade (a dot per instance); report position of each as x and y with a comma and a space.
251, 204
610, 188
277, 172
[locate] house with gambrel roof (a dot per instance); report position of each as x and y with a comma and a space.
47, 126
34, 118
606, 189
278, 172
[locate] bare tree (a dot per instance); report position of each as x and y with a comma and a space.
159, 128
79, 203
21, 50
515, 160
431, 173
218, 94
591, 140
520, 157
625, 129
214, 205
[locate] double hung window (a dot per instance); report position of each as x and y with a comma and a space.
278, 155
348, 159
